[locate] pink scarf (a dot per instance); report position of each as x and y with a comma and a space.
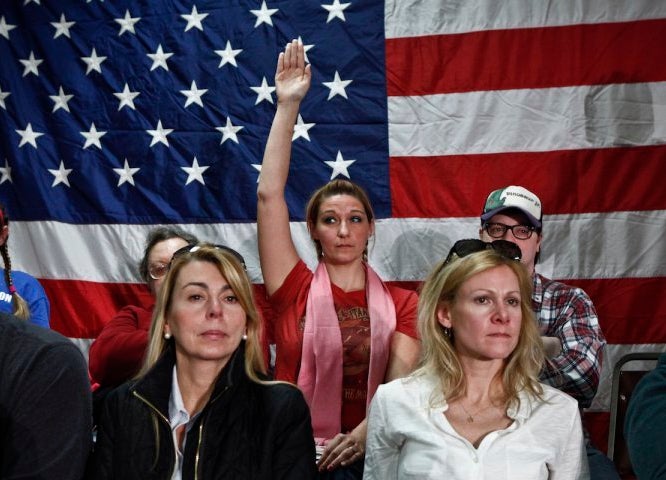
320, 376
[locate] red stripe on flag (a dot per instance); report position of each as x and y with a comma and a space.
527, 58
595, 180
80, 309
630, 310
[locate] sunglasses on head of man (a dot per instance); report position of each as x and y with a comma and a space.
462, 248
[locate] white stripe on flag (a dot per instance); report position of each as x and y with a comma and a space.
430, 17
528, 120
402, 250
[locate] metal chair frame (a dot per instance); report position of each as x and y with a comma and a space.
615, 429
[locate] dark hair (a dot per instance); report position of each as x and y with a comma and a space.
336, 187
156, 236
20, 306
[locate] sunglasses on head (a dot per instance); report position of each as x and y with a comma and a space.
196, 246
462, 248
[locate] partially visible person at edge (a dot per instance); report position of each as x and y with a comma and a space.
565, 315
118, 351
475, 407
365, 330
20, 293
200, 406
45, 411
645, 424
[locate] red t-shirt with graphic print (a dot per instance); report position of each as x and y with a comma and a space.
288, 304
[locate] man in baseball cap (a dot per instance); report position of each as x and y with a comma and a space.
514, 213
566, 316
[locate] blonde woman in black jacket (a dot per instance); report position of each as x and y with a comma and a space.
200, 407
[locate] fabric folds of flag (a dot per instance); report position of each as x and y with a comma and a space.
565, 98
117, 116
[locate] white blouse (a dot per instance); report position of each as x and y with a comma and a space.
178, 416
409, 437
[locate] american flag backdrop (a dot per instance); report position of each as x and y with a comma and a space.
119, 115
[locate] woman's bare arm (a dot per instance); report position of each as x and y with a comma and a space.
277, 253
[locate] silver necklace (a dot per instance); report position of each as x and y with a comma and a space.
470, 417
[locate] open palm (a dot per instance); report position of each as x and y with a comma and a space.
292, 76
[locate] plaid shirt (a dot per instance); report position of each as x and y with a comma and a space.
567, 313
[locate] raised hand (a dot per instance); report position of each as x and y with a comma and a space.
277, 252
292, 76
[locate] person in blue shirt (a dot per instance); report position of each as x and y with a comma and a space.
20, 293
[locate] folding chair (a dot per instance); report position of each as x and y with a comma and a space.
624, 382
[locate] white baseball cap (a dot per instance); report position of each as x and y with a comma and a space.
516, 197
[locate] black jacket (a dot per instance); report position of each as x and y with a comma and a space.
246, 430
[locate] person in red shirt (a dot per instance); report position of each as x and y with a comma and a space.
365, 330
118, 351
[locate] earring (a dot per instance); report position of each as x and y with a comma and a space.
167, 335
448, 332
245, 336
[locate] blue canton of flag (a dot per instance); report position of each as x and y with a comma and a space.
143, 112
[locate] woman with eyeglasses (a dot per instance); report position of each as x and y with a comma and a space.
117, 352
200, 407
475, 408
339, 331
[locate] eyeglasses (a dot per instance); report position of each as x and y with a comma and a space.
158, 270
194, 247
497, 230
462, 248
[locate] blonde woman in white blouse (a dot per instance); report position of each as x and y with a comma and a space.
475, 408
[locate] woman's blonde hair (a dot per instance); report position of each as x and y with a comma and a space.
227, 262
438, 354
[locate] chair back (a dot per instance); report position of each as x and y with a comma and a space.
624, 382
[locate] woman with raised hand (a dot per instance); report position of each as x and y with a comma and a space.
200, 406
339, 331
475, 408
